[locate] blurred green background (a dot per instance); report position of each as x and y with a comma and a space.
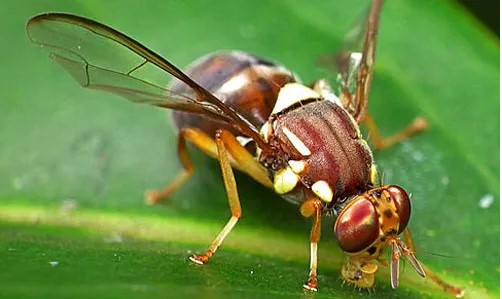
74, 164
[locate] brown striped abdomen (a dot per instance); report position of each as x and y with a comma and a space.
242, 81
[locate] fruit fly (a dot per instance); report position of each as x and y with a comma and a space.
302, 141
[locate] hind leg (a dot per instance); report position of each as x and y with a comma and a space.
418, 125
240, 158
231, 153
199, 139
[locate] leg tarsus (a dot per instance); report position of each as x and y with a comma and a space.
200, 259
456, 291
155, 196
203, 258
311, 284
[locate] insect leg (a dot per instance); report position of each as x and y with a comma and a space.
228, 148
199, 139
312, 207
418, 125
240, 159
457, 292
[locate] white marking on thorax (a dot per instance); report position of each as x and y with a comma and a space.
331, 97
243, 140
374, 174
297, 166
356, 57
285, 180
265, 131
296, 142
323, 190
292, 93
324, 89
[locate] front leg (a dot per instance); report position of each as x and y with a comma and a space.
312, 207
456, 291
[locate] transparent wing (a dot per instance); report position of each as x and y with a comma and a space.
355, 62
101, 58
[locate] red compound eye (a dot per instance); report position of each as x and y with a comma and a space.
403, 205
357, 225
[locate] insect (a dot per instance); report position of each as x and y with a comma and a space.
253, 115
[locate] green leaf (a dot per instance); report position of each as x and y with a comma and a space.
62, 144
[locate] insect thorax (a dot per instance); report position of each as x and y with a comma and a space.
320, 151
